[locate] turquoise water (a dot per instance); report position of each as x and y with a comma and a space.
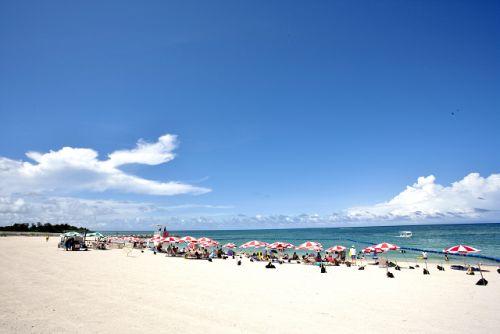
485, 237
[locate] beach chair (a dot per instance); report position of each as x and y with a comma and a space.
382, 263
128, 249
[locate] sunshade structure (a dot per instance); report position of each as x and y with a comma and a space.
96, 234
254, 244
230, 245
205, 240
207, 244
311, 245
280, 245
336, 249
188, 239
371, 250
71, 234
171, 240
385, 247
461, 250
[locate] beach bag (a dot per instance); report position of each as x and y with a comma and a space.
426, 272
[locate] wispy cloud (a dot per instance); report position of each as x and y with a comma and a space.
188, 206
78, 169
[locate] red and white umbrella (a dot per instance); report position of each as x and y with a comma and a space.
207, 244
171, 240
461, 250
254, 244
371, 250
336, 249
188, 239
278, 245
205, 239
229, 245
310, 245
291, 246
385, 247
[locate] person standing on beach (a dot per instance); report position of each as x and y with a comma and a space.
47, 238
353, 255
424, 255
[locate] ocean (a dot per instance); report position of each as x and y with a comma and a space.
485, 237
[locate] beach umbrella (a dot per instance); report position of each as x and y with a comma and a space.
171, 240
278, 245
205, 239
188, 239
336, 249
368, 250
461, 250
229, 245
71, 234
386, 247
310, 245
254, 244
96, 234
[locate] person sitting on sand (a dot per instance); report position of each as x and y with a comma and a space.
342, 256
295, 256
330, 258
318, 257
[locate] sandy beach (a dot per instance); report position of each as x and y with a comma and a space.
47, 290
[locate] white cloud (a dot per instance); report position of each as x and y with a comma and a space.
473, 198
78, 169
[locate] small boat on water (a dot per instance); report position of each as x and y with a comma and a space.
405, 234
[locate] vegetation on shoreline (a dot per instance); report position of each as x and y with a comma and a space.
38, 227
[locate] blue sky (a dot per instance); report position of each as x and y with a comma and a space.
240, 115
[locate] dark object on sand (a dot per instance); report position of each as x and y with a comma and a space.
289, 260
362, 268
426, 272
482, 281
398, 268
440, 268
417, 266
323, 269
498, 271
209, 260
412, 267
348, 264
270, 266
390, 275
251, 260
239, 262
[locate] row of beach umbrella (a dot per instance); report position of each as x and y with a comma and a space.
309, 245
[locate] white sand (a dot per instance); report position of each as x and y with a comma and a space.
47, 290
